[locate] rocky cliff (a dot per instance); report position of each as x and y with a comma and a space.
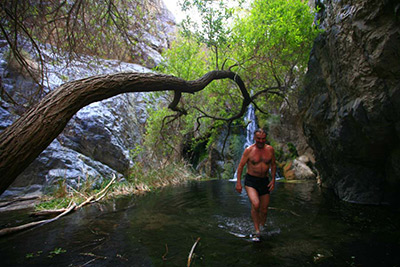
98, 140
350, 103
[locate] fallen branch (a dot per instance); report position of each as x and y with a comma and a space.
15, 229
5, 204
62, 212
191, 252
47, 212
164, 257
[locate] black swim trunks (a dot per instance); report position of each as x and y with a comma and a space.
259, 184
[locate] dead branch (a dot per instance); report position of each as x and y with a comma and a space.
164, 257
20, 228
63, 212
47, 212
5, 204
191, 252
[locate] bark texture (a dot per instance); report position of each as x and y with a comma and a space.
24, 140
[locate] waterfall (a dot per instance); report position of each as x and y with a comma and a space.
250, 120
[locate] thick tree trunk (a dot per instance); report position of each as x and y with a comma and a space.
24, 140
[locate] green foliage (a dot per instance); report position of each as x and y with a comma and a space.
56, 251
157, 175
189, 60
61, 195
272, 42
213, 29
269, 43
214, 16
32, 255
236, 146
293, 150
276, 35
229, 171
142, 178
160, 135
54, 203
186, 59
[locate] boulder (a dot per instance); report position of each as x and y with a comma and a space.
299, 170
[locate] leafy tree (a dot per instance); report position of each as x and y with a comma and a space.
204, 114
268, 43
212, 30
272, 41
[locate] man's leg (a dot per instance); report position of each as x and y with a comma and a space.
255, 206
264, 202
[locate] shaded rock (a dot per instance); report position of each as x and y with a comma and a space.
289, 130
350, 102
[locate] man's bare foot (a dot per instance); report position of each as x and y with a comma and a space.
256, 237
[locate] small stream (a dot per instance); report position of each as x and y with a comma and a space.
306, 226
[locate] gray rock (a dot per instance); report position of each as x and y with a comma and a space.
302, 171
97, 141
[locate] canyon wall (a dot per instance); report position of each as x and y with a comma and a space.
350, 103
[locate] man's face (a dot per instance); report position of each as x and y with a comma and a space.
261, 139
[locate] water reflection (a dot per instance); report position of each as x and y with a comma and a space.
306, 226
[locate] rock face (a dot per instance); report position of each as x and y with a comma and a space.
351, 99
95, 144
98, 140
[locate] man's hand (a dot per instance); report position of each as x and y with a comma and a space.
271, 186
239, 188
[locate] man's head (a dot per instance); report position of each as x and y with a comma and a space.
260, 138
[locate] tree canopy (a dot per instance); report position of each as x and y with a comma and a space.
267, 43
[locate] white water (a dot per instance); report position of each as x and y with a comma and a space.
250, 120
251, 126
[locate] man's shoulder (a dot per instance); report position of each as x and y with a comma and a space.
269, 147
249, 148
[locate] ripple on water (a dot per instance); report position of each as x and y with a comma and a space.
305, 226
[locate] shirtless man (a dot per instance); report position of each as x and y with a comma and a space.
259, 158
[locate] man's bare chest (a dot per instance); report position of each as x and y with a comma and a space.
261, 156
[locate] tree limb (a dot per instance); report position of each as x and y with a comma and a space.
27, 137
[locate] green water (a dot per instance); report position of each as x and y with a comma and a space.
306, 226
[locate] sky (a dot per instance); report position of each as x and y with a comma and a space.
173, 6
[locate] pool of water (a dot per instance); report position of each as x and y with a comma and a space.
306, 226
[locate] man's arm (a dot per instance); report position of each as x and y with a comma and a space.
271, 184
242, 163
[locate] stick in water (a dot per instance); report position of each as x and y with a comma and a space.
191, 252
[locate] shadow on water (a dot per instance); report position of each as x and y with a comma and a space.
306, 226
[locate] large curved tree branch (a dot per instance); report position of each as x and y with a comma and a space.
24, 140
